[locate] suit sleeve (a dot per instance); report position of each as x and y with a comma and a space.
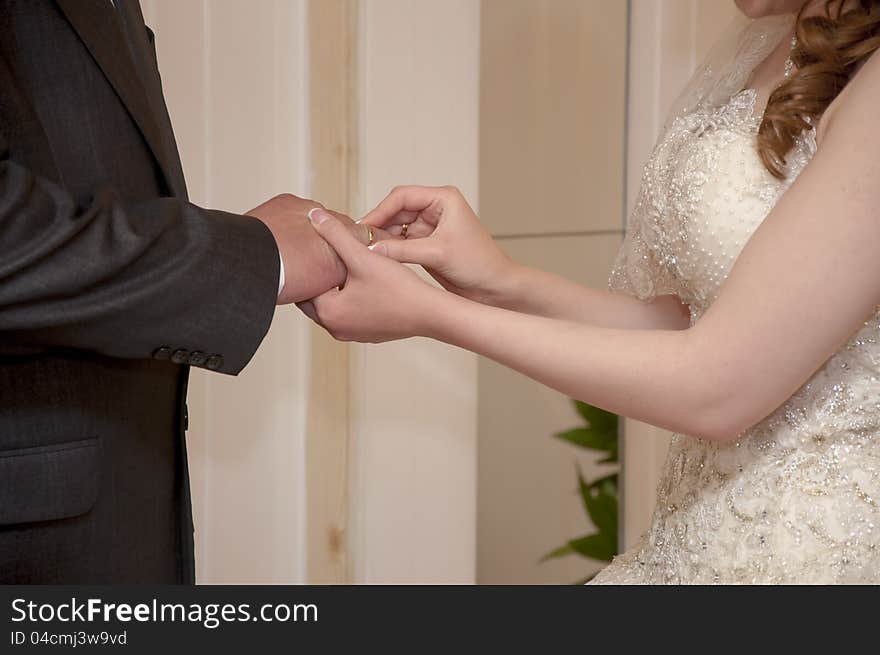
162, 279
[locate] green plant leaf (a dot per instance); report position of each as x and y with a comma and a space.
599, 497
562, 551
598, 546
600, 501
590, 439
607, 484
602, 508
584, 488
613, 451
597, 419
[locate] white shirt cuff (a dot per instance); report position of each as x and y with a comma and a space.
280, 275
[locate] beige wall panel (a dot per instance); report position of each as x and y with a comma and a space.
413, 409
677, 23
713, 18
181, 51
527, 490
256, 421
234, 78
552, 115
180, 48
644, 114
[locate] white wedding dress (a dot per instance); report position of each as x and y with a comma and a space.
795, 498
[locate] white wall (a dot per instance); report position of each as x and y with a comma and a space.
234, 75
414, 402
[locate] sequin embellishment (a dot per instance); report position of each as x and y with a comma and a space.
796, 498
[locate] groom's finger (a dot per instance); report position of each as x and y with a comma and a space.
368, 234
340, 238
403, 198
360, 230
426, 252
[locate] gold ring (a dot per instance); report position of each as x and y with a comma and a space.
404, 229
371, 238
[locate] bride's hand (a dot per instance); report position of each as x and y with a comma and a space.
444, 235
381, 299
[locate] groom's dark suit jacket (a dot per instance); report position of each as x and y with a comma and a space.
111, 286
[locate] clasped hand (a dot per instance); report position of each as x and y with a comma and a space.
381, 299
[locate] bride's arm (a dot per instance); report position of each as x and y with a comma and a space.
537, 292
805, 282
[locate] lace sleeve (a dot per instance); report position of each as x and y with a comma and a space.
637, 270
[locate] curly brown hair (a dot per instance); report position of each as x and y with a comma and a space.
830, 48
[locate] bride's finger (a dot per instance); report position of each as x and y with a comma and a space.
338, 233
398, 219
415, 199
308, 308
358, 230
416, 230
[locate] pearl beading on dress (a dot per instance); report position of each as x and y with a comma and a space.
794, 499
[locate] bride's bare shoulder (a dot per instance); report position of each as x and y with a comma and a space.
857, 103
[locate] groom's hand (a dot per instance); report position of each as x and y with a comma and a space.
311, 266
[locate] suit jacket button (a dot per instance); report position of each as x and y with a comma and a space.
197, 358
180, 356
215, 362
162, 353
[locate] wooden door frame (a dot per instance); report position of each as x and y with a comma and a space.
333, 157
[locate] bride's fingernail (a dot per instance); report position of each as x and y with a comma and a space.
317, 215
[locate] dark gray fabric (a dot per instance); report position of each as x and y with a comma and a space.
45, 483
111, 284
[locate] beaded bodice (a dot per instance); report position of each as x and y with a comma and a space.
794, 498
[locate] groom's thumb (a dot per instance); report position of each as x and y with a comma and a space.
337, 235
423, 251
